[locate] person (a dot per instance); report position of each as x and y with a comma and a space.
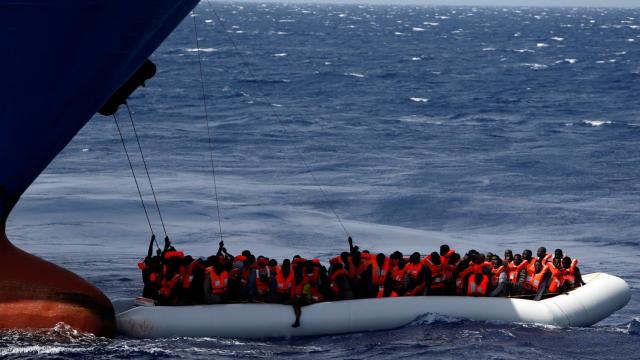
398, 284
536, 283
499, 278
299, 297
216, 281
356, 268
433, 264
556, 279
340, 286
478, 285
417, 280
378, 274
262, 283
313, 275
170, 286
449, 274
150, 272
283, 283
571, 274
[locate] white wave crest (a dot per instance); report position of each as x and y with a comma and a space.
489, 49
280, 54
201, 49
415, 58
358, 75
431, 23
417, 29
596, 123
557, 38
419, 99
541, 45
535, 66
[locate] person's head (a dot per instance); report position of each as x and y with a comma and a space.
401, 263
415, 258
217, 266
396, 255
489, 255
558, 254
482, 257
557, 262
444, 249
517, 259
538, 266
508, 255
478, 258
246, 253
566, 262
527, 254
454, 258
496, 261
250, 260
435, 258
542, 252
380, 259
273, 263
187, 260
345, 256
336, 267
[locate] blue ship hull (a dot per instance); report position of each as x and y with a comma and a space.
60, 61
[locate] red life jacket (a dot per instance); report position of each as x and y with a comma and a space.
283, 285
263, 285
555, 283
436, 273
568, 275
356, 271
218, 282
534, 280
334, 285
167, 285
474, 289
412, 270
142, 265
495, 275
379, 274
185, 273
173, 254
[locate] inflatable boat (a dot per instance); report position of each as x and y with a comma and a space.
600, 297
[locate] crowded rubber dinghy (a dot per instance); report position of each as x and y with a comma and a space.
172, 278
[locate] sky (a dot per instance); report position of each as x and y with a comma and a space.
569, 3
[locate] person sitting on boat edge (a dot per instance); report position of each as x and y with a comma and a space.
299, 295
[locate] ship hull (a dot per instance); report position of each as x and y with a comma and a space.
35, 294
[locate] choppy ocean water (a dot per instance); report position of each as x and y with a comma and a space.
488, 128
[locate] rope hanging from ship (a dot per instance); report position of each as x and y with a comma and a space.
206, 119
279, 119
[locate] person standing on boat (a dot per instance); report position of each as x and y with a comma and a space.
215, 282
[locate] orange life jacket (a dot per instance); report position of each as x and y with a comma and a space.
379, 274
555, 283
474, 289
495, 275
173, 254
218, 282
263, 285
436, 273
412, 270
142, 265
167, 285
283, 285
334, 284
534, 280
355, 271
568, 275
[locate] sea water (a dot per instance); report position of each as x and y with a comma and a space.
486, 128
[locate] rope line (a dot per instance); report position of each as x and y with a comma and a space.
280, 121
146, 169
206, 115
135, 179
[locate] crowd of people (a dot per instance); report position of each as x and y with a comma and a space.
171, 278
